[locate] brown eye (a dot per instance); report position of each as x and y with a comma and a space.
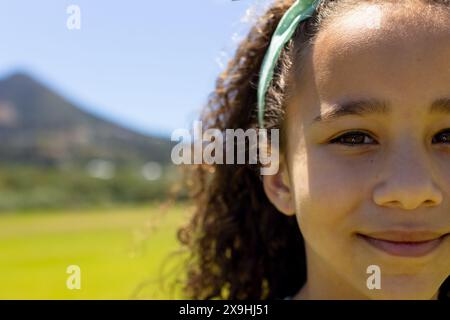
443, 137
353, 138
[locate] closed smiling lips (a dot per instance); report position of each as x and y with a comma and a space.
404, 243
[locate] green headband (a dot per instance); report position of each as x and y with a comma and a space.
299, 11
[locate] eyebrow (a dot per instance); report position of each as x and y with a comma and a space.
362, 107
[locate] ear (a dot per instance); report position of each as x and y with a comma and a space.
279, 192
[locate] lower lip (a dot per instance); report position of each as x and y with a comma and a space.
404, 249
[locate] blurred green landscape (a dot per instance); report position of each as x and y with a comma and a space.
77, 189
24, 187
122, 252
54, 154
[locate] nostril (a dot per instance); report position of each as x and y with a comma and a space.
429, 203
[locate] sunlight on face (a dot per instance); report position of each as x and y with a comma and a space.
380, 195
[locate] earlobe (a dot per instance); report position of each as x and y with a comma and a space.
278, 190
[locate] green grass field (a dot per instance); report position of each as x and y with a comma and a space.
119, 251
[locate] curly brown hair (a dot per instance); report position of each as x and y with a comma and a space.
241, 246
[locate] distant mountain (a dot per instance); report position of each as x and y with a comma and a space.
39, 126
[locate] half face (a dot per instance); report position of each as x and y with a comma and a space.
368, 151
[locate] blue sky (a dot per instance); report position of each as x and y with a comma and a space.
148, 65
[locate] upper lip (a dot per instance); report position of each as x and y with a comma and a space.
404, 236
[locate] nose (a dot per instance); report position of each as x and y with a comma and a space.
408, 182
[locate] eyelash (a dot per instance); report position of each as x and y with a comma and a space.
361, 133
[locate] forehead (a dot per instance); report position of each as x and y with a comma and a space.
402, 55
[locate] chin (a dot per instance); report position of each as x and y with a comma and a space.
410, 287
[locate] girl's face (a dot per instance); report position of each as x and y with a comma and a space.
368, 155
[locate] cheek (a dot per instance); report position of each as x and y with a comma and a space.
443, 173
329, 192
